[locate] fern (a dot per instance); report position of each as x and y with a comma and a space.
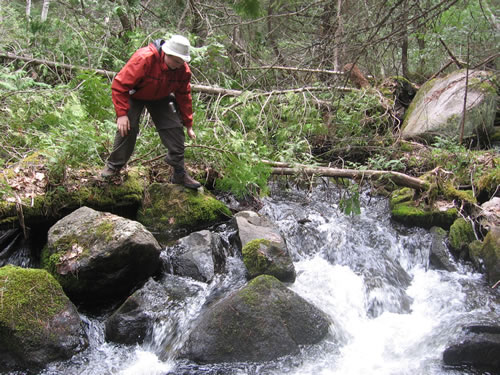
243, 178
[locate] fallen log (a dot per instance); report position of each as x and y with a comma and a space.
398, 178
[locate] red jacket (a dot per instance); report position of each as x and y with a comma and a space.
147, 74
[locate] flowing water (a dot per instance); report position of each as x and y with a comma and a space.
391, 313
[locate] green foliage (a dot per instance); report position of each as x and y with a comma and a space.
244, 177
248, 8
359, 117
95, 96
449, 154
382, 162
71, 128
349, 202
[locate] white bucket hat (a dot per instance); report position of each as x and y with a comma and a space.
178, 46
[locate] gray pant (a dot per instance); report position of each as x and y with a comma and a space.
168, 125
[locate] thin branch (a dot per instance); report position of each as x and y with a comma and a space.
452, 56
334, 72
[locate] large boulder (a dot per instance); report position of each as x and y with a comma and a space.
38, 323
199, 256
437, 108
171, 211
478, 346
98, 256
264, 249
262, 321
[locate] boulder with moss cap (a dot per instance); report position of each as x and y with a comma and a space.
260, 322
264, 249
486, 254
38, 323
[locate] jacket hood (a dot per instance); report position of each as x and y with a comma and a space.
157, 44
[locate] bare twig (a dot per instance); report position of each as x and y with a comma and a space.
462, 122
288, 68
452, 56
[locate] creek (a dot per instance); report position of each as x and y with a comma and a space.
391, 312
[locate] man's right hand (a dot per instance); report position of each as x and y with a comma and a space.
123, 124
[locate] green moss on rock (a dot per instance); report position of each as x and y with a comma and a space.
407, 211
461, 235
489, 182
167, 207
264, 257
29, 299
60, 201
451, 193
400, 196
487, 254
255, 260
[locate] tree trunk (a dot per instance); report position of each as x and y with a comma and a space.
197, 23
421, 55
28, 9
339, 33
45, 10
404, 43
327, 33
124, 20
271, 34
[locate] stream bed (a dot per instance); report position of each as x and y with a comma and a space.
391, 312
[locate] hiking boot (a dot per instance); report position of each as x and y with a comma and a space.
185, 180
109, 172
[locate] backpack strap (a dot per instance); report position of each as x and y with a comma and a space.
158, 43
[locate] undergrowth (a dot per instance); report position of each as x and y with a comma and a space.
73, 126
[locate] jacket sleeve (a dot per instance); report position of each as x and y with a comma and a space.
184, 99
128, 78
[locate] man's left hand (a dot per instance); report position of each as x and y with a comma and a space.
191, 133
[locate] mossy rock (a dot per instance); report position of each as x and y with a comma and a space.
38, 323
461, 235
487, 254
260, 322
169, 207
401, 196
466, 196
263, 257
407, 211
489, 182
57, 203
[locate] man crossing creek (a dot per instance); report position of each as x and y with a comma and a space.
157, 77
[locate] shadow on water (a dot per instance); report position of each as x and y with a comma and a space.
20, 250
